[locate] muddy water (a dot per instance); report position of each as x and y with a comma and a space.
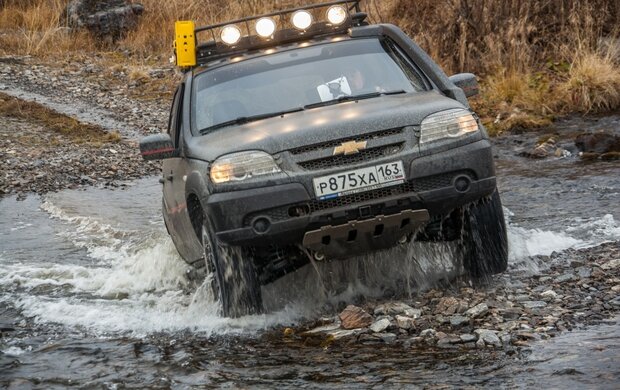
92, 294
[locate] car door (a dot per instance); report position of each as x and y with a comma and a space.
170, 172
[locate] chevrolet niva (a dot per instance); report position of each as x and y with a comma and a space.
310, 135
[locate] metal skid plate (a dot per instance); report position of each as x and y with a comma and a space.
356, 237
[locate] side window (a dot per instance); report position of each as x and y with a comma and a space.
176, 114
413, 73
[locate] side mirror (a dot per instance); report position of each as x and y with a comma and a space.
157, 147
467, 82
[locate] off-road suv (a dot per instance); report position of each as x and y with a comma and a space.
310, 135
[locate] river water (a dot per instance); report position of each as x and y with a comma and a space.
93, 295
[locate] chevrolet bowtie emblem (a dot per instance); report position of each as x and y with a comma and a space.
350, 147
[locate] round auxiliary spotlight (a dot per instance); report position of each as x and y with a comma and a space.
337, 15
301, 20
265, 27
230, 35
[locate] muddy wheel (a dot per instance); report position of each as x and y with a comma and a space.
485, 240
235, 284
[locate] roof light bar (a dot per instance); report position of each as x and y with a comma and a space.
265, 27
301, 20
230, 35
337, 14
264, 31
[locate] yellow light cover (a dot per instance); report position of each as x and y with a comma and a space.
302, 20
336, 15
230, 35
185, 43
265, 27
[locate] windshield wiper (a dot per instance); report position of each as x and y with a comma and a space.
348, 98
246, 119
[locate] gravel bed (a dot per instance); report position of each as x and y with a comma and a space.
574, 289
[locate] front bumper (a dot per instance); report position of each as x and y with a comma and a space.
282, 214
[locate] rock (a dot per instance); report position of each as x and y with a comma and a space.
428, 333
564, 278
534, 304
387, 338
447, 305
405, 322
394, 308
104, 18
478, 310
343, 333
353, 317
323, 329
468, 338
458, 320
612, 264
489, 337
449, 342
598, 143
542, 150
549, 294
380, 325
584, 272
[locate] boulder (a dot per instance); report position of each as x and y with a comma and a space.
599, 143
478, 310
380, 325
353, 317
110, 19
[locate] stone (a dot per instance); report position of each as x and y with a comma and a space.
104, 18
353, 317
323, 329
387, 338
458, 320
447, 305
534, 304
584, 272
564, 278
394, 308
549, 294
405, 322
380, 325
478, 310
612, 264
600, 142
428, 333
343, 333
489, 337
448, 342
468, 338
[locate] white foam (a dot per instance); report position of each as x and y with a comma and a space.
523, 243
14, 351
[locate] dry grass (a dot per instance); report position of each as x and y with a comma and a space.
75, 131
536, 58
593, 84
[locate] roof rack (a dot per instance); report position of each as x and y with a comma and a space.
264, 31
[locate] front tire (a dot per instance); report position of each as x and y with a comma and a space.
485, 239
235, 284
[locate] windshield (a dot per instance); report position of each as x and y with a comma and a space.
299, 78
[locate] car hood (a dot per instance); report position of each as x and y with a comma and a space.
320, 124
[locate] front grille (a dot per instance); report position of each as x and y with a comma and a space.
319, 205
334, 143
342, 160
417, 185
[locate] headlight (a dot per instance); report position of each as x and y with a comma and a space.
447, 124
242, 166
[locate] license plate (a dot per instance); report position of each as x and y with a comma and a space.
359, 180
